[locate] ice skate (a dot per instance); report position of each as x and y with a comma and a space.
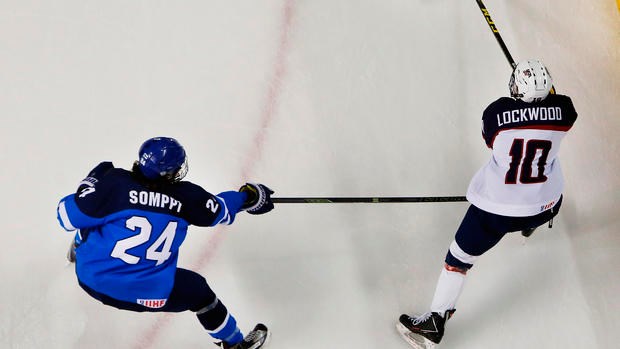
71, 252
527, 232
257, 338
424, 331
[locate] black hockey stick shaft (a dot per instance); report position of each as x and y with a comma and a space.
495, 31
499, 39
369, 200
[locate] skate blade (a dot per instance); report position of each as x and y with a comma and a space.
416, 341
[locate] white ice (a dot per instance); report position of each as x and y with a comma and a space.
314, 98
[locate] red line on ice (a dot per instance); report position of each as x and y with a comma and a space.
266, 118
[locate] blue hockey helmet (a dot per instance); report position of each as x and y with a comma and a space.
162, 158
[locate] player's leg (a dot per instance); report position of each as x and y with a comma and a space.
479, 232
532, 224
472, 239
192, 292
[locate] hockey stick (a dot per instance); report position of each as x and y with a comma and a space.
499, 39
370, 200
495, 31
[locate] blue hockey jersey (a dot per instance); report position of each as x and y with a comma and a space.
129, 232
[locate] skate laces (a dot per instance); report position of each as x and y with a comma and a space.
418, 320
254, 336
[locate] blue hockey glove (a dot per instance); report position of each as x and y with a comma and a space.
258, 200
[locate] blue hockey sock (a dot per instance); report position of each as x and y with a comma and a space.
228, 331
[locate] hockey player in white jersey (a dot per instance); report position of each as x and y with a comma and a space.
519, 189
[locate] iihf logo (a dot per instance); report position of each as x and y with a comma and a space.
547, 206
152, 303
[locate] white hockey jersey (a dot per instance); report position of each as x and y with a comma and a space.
523, 177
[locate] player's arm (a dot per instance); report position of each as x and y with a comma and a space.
569, 110
490, 126
222, 208
74, 211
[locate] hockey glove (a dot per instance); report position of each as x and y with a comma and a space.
258, 200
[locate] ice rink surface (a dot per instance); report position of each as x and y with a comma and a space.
313, 98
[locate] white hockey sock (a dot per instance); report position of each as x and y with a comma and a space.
448, 290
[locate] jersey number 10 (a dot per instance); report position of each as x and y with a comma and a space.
521, 164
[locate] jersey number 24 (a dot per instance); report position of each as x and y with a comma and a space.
159, 251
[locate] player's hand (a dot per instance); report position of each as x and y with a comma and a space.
258, 200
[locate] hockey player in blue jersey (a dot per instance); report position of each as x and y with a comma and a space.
130, 225
519, 189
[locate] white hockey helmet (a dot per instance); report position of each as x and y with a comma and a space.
530, 81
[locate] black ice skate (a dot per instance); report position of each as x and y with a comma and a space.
71, 252
527, 232
257, 338
424, 331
